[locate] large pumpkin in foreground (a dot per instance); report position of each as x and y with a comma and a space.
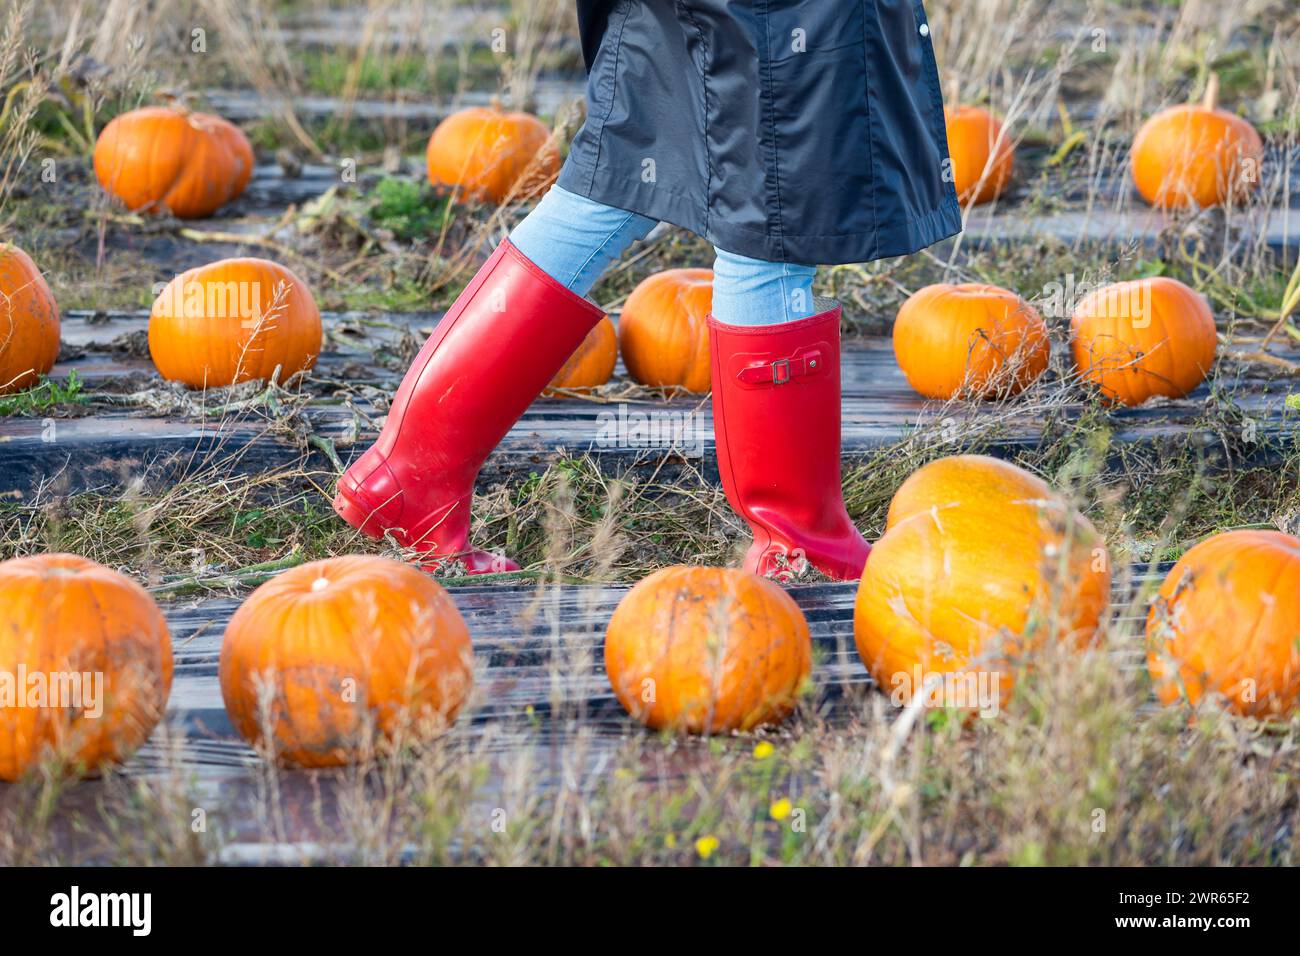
981, 153
1196, 155
1147, 337
1227, 621
163, 157
85, 664
594, 361
328, 653
663, 330
707, 650
234, 321
29, 321
489, 153
979, 562
969, 339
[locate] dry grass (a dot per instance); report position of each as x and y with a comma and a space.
1066, 774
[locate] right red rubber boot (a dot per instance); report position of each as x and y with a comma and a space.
499, 345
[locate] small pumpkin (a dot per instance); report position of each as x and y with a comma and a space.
979, 561
1196, 155
707, 650
593, 363
166, 157
981, 153
29, 321
1225, 621
329, 652
234, 321
977, 340
1146, 337
490, 153
663, 330
85, 664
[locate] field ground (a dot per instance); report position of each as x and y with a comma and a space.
205, 495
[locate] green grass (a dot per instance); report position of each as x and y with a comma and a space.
47, 395
408, 209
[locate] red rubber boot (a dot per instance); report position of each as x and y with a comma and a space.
776, 417
498, 346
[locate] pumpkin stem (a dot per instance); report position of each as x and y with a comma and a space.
174, 101
495, 103
1211, 99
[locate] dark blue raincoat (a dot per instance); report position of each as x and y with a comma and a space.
806, 131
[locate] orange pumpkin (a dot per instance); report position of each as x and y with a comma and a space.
165, 157
487, 152
982, 155
1225, 621
329, 652
1147, 337
29, 321
663, 331
85, 664
979, 561
971, 339
593, 363
1196, 155
234, 321
707, 650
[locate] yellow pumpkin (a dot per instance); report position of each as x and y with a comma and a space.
663, 331
29, 321
707, 650
593, 363
981, 153
979, 561
95, 660
1227, 621
1135, 340
166, 157
329, 652
489, 153
971, 339
1196, 155
234, 321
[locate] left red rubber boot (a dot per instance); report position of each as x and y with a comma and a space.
498, 346
776, 418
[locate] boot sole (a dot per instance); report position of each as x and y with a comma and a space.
359, 518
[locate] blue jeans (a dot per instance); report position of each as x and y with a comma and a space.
574, 239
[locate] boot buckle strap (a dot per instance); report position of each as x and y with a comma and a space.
782, 371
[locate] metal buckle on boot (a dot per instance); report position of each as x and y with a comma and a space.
777, 377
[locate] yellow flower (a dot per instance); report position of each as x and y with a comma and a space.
706, 846
622, 773
781, 809
763, 750
670, 841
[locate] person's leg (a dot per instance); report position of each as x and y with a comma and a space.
496, 348
776, 417
574, 239
754, 292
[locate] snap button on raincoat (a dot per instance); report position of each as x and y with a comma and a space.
807, 131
